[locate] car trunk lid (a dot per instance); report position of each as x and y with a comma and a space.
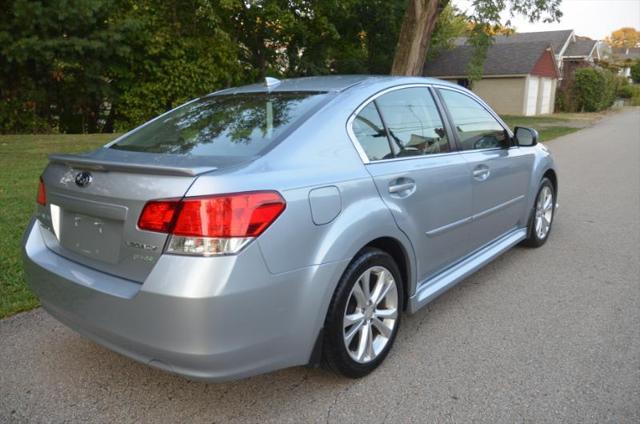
93, 221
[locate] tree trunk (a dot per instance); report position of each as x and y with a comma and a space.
415, 34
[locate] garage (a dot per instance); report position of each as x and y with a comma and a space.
519, 77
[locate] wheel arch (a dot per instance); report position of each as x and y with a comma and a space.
397, 251
553, 177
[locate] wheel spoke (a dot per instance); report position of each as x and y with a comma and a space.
370, 353
363, 341
352, 319
353, 331
382, 328
365, 282
380, 282
361, 299
386, 313
388, 284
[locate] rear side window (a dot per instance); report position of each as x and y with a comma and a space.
240, 125
368, 129
413, 121
476, 127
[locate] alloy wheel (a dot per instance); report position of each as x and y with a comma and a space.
544, 212
371, 314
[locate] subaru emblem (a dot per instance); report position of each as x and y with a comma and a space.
83, 179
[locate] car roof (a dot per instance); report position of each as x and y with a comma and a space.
328, 83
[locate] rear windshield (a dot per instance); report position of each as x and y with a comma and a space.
240, 125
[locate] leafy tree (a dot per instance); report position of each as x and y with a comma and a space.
96, 65
181, 53
451, 24
624, 37
421, 16
58, 59
302, 37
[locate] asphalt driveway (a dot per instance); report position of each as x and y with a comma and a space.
543, 335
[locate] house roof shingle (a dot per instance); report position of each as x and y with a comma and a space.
557, 39
580, 48
502, 59
626, 52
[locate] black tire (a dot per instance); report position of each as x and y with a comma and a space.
334, 351
533, 239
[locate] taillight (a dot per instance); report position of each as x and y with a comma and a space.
158, 215
212, 225
42, 194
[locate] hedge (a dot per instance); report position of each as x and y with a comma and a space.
594, 89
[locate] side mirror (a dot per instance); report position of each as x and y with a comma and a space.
526, 136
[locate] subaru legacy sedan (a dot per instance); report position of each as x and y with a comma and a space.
286, 223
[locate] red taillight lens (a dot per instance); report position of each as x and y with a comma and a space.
236, 215
158, 215
225, 216
42, 194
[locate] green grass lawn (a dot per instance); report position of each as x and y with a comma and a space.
549, 127
556, 125
22, 158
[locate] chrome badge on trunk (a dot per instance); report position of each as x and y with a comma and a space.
83, 178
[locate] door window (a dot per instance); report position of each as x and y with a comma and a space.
476, 127
368, 129
413, 122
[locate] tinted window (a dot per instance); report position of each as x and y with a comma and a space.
476, 127
413, 121
370, 133
232, 125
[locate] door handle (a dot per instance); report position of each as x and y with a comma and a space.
397, 188
402, 187
481, 172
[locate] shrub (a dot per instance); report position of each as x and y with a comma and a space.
629, 91
635, 72
594, 89
18, 116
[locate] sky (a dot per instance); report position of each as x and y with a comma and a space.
592, 18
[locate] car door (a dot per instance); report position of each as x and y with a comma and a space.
500, 171
426, 185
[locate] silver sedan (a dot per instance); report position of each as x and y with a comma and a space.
286, 223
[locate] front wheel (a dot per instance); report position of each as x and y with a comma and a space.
364, 314
542, 215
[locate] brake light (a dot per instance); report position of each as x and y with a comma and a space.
212, 225
42, 194
157, 215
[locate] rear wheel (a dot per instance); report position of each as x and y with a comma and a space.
364, 315
542, 215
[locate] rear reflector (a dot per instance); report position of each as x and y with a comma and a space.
42, 194
212, 225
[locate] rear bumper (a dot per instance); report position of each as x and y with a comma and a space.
205, 318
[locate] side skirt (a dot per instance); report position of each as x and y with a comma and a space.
435, 286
